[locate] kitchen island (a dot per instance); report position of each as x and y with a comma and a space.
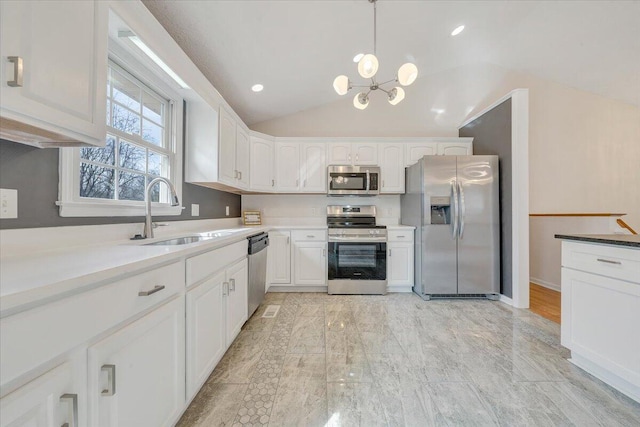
601, 307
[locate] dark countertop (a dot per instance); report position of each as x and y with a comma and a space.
606, 239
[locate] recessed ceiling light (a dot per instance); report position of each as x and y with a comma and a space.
358, 57
457, 30
257, 88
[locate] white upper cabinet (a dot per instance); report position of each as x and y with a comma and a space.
228, 173
287, 166
313, 162
391, 167
416, 150
463, 148
262, 164
242, 157
357, 153
54, 91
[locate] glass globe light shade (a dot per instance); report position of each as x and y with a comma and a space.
407, 74
361, 101
396, 95
341, 85
368, 66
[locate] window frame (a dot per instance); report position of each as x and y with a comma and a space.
69, 200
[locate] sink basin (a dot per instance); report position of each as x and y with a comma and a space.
180, 241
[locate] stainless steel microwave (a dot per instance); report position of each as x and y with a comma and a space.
353, 180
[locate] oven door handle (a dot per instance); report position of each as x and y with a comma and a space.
357, 239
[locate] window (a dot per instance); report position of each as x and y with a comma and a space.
137, 149
141, 144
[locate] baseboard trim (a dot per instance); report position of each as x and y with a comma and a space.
545, 284
505, 299
603, 374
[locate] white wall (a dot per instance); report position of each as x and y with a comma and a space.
584, 149
295, 209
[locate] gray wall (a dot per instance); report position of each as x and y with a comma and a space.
34, 173
491, 134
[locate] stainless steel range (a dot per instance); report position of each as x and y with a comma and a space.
357, 261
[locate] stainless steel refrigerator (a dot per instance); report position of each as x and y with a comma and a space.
453, 201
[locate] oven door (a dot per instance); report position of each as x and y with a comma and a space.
357, 261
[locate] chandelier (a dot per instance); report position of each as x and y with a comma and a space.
367, 68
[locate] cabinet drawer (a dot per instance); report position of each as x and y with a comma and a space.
309, 235
611, 261
202, 266
35, 336
400, 235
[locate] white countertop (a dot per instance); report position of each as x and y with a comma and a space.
30, 279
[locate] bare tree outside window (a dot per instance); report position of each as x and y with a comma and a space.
136, 150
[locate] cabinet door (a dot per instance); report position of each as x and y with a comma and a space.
242, 157
279, 258
63, 46
310, 263
392, 168
454, 149
261, 175
415, 151
287, 166
136, 375
313, 161
206, 340
364, 154
238, 299
227, 151
339, 153
49, 400
400, 264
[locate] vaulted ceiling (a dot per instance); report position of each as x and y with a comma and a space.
296, 48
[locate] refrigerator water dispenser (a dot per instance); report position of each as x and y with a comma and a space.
440, 210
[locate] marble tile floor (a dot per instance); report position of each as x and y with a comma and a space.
396, 360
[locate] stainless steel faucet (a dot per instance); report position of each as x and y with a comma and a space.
148, 223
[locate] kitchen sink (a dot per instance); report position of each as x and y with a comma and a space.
180, 241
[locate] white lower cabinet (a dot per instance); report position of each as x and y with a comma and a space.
237, 298
310, 257
49, 400
137, 374
206, 333
400, 258
279, 258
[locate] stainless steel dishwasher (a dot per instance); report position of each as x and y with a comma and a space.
257, 269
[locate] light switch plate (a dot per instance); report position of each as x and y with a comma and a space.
8, 203
195, 209
226, 210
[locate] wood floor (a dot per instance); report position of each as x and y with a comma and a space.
545, 302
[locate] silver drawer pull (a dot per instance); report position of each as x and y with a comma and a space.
310, 236
151, 292
400, 237
111, 380
232, 285
73, 398
608, 261
17, 71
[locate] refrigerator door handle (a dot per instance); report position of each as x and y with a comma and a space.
463, 209
454, 214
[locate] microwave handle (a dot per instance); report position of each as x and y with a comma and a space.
368, 180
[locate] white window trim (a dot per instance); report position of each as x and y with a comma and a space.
69, 200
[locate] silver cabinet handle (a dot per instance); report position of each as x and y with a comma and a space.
225, 289
151, 292
288, 239
389, 251
73, 399
608, 261
18, 69
111, 380
400, 237
383, 183
273, 182
240, 175
324, 252
310, 236
232, 285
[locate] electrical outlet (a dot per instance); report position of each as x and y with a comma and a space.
226, 210
195, 209
8, 203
